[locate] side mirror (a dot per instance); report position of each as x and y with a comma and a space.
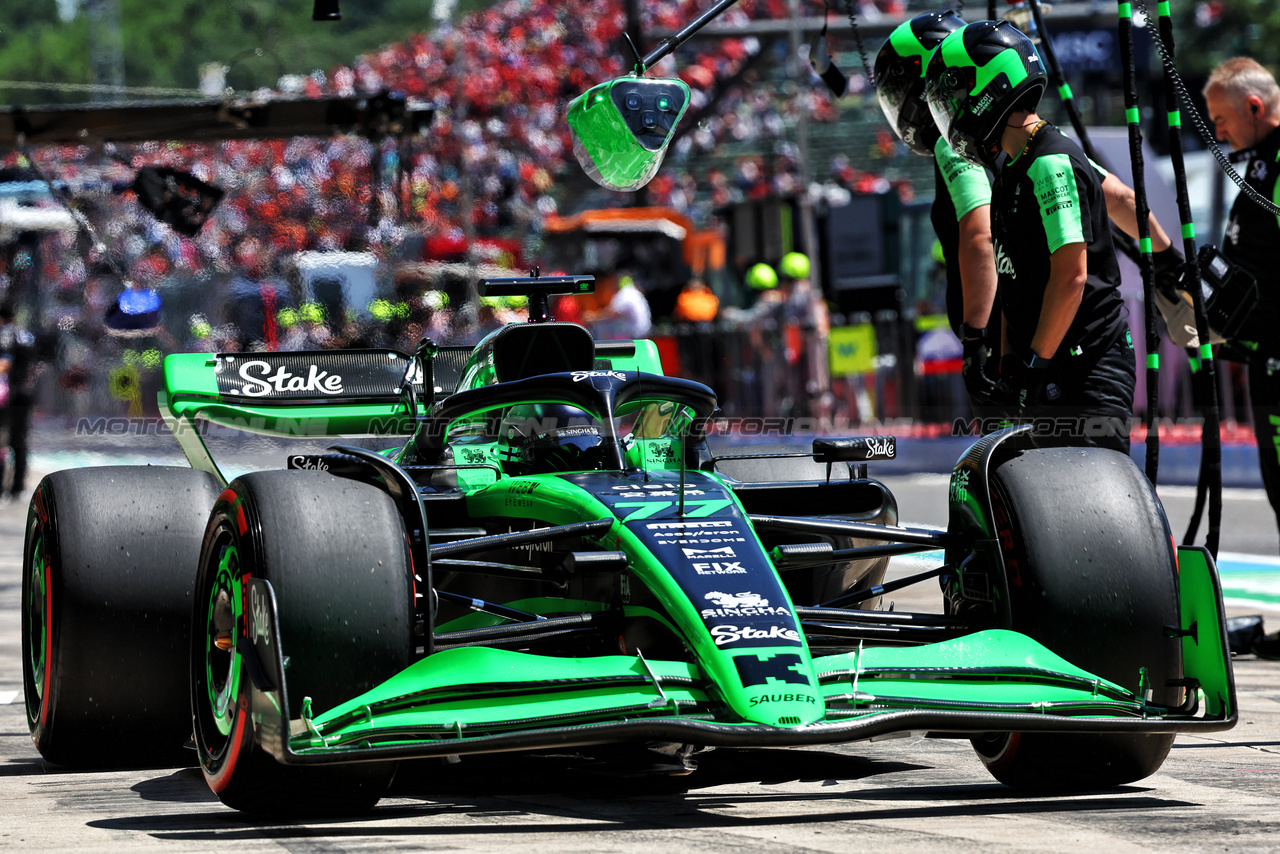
621, 128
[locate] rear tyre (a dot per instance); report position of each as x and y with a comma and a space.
336, 555
107, 574
1091, 572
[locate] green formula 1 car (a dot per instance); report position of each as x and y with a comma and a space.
554, 561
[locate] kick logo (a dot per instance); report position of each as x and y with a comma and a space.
781, 667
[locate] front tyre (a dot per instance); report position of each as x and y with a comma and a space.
1091, 575
336, 555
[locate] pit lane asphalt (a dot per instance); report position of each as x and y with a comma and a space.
1214, 793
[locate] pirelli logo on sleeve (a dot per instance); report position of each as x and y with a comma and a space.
1053, 181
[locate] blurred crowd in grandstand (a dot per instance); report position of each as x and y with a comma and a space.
496, 162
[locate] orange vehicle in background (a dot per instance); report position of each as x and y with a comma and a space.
658, 246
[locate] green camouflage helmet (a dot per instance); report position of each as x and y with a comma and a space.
974, 80
900, 76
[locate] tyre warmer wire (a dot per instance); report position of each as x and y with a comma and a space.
1206, 386
1143, 210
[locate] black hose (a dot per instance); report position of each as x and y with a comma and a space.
1133, 118
1059, 81
1140, 252
1202, 128
1210, 479
857, 41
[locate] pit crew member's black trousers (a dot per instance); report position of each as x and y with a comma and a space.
1264, 397
1095, 406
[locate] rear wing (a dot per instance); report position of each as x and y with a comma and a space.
300, 394
319, 393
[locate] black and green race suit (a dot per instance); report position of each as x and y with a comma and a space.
1046, 198
1251, 240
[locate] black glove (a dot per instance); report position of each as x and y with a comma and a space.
976, 352
1169, 268
1027, 382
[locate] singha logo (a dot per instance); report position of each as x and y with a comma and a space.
737, 600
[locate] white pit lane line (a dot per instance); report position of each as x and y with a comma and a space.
8, 697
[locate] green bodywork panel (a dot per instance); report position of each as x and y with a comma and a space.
1205, 656
554, 500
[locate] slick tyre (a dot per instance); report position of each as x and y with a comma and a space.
1091, 571
108, 570
336, 556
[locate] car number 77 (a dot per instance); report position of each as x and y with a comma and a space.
693, 509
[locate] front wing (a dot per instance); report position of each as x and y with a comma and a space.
478, 700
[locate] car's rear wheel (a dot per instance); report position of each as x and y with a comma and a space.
336, 556
107, 573
1092, 576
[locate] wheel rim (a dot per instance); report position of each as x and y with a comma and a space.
996, 749
37, 623
222, 665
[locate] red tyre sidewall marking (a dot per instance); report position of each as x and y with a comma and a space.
220, 780
1004, 533
48, 647
235, 501
42, 521
1007, 756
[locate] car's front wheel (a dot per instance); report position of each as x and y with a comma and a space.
1092, 576
336, 556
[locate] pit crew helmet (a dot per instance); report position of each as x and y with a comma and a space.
762, 277
794, 265
976, 77
538, 438
900, 77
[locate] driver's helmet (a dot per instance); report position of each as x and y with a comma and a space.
899, 72
975, 79
538, 438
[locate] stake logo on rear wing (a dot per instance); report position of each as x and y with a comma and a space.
307, 376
